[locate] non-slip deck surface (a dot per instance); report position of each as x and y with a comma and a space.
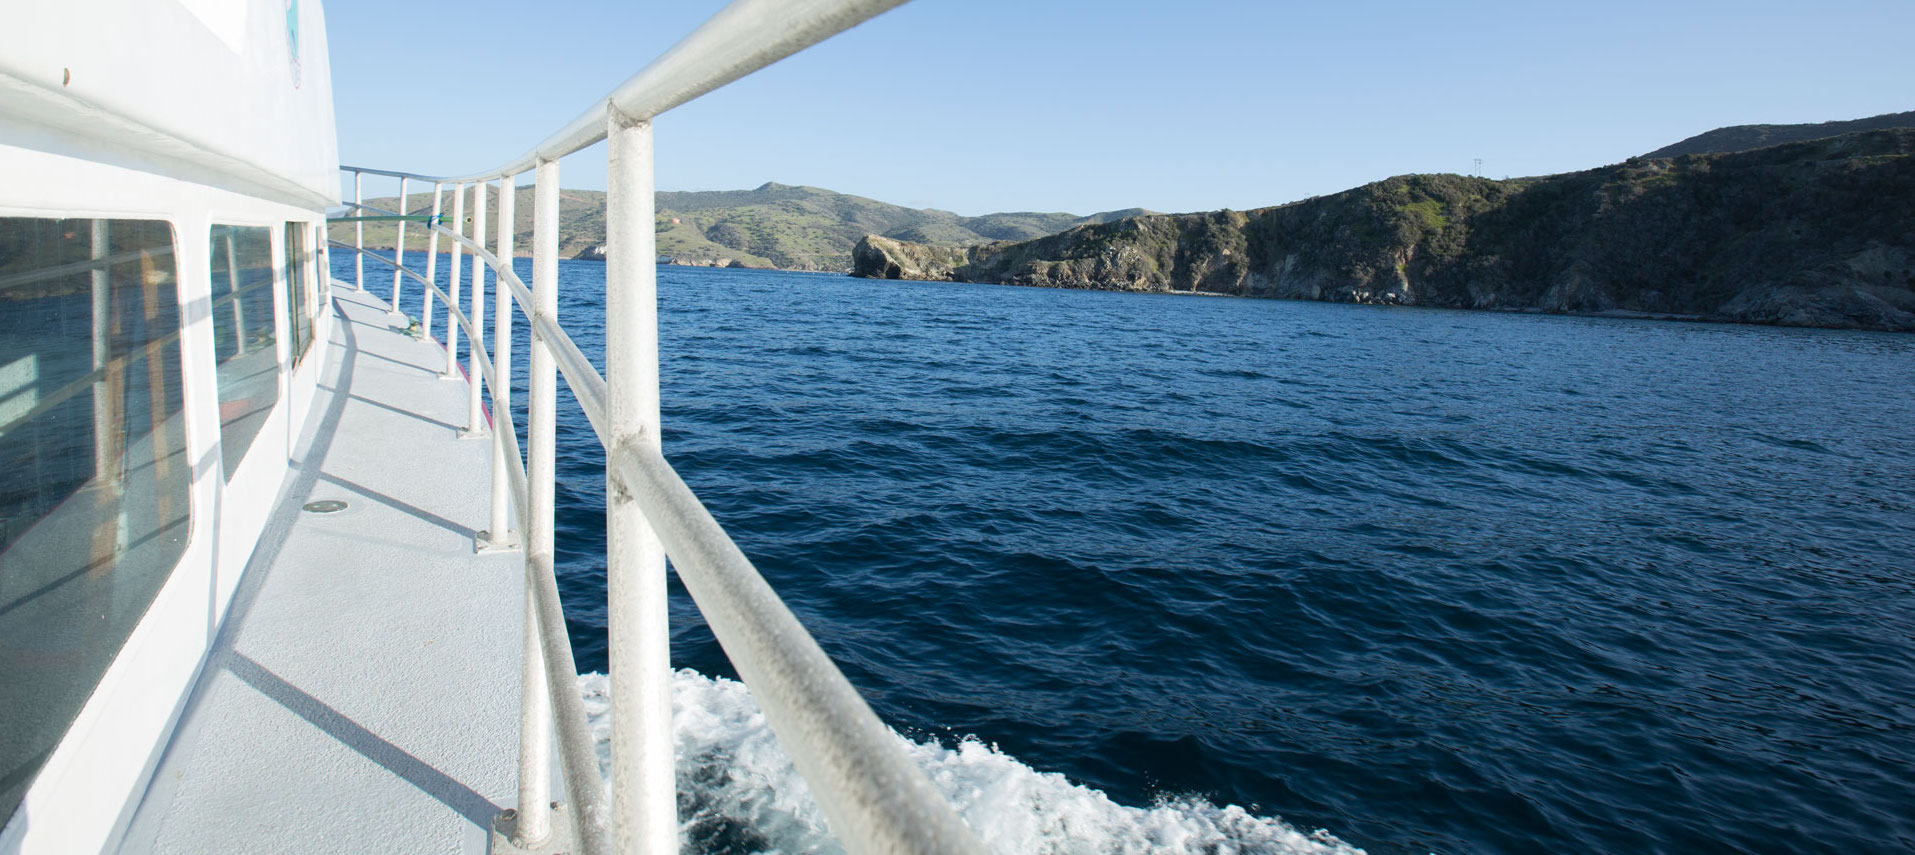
363, 695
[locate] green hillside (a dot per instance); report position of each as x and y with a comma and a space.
581, 217
1816, 233
775, 225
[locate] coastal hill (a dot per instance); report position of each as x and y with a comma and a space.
808, 228
1817, 233
1745, 137
775, 225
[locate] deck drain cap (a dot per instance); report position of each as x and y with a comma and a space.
324, 506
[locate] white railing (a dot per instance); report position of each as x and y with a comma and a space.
875, 798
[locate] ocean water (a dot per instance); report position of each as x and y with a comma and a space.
1151, 573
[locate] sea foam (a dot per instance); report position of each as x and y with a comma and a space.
738, 792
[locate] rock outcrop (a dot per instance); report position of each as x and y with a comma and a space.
879, 257
1818, 233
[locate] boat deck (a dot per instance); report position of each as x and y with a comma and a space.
363, 694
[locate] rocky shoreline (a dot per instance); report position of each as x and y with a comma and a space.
1818, 233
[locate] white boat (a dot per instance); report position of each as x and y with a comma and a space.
269, 579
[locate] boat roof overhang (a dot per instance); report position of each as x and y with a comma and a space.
235, 94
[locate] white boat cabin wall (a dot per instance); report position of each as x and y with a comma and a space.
167, 168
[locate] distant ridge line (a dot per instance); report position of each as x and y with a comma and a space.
1745, 137
785, 226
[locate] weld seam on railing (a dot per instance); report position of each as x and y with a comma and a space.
577, 746
876, 799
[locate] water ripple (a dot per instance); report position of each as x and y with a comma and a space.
1435, 581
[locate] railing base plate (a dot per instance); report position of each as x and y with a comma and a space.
560, 842
484, 543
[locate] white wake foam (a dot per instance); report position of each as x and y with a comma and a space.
739, 793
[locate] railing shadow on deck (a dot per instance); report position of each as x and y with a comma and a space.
875, 798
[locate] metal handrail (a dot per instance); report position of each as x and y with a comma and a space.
486, 371
577, 752
588, 386
871, 791
875, 798
819, 716
795, 682
743, 37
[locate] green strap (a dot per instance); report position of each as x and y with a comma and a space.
419, 218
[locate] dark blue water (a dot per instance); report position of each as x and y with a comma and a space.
1435, 581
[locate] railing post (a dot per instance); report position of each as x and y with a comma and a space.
232, 288
644, 802
475, 426
359, 231
432, 264
399, 248
452, 285
106, 462
535, 699
500, 536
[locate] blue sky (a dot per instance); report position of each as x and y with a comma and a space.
1074, 105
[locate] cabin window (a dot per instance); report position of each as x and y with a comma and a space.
298, 295
93, 502
243, 340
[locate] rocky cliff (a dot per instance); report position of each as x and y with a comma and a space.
1817, 233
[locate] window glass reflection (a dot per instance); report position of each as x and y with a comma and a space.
243, 336
93, 500
299, 305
